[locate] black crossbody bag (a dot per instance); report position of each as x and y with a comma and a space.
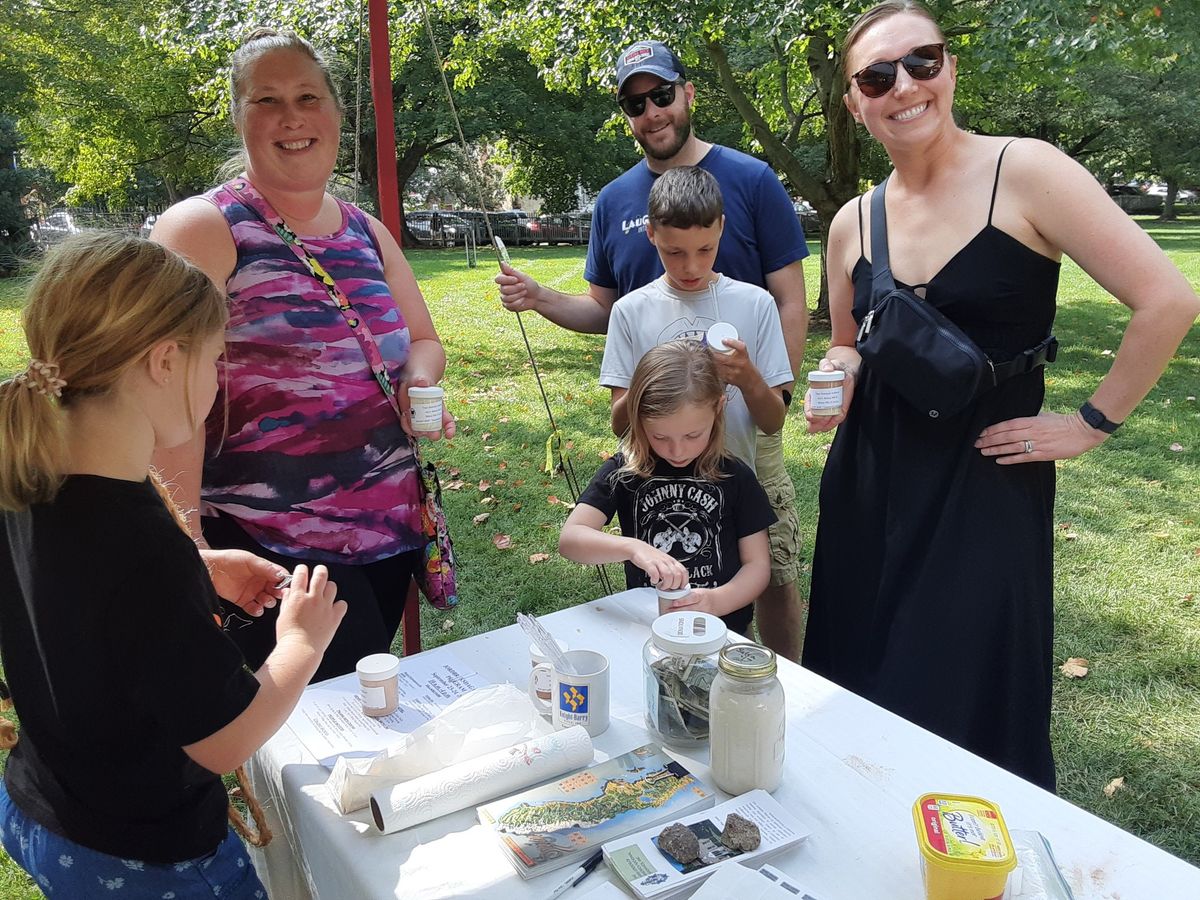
917, 351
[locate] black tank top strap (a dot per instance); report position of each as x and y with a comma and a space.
862, 247
996, 183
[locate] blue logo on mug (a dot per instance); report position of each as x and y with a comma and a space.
573, 698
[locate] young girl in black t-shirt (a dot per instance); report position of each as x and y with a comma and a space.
132, 700
690, 513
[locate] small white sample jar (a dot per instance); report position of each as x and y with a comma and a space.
666, 598
746, 720
426, 405
718, 333
377, 685
825, 392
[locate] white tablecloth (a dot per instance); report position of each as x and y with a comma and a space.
853, 773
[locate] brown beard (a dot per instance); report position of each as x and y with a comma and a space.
682, 131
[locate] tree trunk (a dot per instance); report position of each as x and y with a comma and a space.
1168, 213
840, 184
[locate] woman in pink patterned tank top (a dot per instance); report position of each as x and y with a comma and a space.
311, 464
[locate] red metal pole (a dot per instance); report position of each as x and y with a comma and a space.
389, 213
385, 123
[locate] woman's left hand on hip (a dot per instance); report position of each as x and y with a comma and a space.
1039, 438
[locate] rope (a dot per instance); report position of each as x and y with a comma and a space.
358, 85
260, 835
475, 173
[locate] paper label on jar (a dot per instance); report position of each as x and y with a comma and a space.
427, 414
825, 398
372, 697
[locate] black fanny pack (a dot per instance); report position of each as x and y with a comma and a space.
917, 351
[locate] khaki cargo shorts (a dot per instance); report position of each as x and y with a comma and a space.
785, 533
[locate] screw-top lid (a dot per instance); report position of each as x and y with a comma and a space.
718, 333
688, 633
818, 375
378, 666
747, 661
676, 594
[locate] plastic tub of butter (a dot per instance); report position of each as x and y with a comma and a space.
966, 853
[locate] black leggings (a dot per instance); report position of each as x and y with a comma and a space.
374, 595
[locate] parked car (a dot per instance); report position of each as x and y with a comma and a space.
564, 228
513, 226
810, 222
434, 226
1131, 198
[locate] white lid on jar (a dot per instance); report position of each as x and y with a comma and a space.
836, 375
676, 594
718, 334
378, 666
688, 633
430, 392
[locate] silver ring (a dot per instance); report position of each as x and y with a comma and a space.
1029, 446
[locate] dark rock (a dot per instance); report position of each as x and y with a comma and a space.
740, 834
681, 842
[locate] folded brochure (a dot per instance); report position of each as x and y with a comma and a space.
649, 872
563, 822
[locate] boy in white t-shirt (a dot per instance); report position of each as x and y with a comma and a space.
685, 220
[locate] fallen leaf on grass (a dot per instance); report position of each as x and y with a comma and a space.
502, 419
518, 482
1191, 399
1106, 353
486, 435
484, 485
454, 473
1113, 786
447, 625
1177, 447
539, 557
502, 541
455, 485
1064, 526
481, 518
499, 482
552, 499
489, 500
1075, 667
517, 507
1070, 536
502, 466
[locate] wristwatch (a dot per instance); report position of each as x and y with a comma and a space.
1097, 419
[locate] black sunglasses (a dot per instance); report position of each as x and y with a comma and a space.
922, 63
634, 105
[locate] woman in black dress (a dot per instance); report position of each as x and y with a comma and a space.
932, 587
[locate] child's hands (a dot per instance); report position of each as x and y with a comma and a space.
664, 570
309, 614
736, 368
246, 580
708, 600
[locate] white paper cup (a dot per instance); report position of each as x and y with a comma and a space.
718, 334
426, 405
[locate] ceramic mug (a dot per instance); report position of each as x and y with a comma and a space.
542, 685
575, 699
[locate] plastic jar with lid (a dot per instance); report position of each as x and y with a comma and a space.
746, 719
679, 663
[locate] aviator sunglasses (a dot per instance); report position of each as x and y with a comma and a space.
635, 104
922, 63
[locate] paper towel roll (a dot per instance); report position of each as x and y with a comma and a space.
479, 780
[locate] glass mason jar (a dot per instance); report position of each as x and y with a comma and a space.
746, 719
679, 663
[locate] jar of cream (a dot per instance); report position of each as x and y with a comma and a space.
825, 392
377, 685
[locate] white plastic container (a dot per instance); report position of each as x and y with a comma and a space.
666, 598
746, 720
377, 685
718, 334
679, 663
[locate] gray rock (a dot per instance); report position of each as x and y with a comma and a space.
740, 834
679, 841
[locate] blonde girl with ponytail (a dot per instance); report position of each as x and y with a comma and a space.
132, 700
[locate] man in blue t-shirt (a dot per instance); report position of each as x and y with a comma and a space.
762, 244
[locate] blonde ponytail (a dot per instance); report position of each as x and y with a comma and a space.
99, 303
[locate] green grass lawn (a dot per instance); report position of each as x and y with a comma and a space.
1128, 554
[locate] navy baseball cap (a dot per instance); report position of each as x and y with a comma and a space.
651, 57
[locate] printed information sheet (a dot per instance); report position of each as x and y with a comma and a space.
329, 720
